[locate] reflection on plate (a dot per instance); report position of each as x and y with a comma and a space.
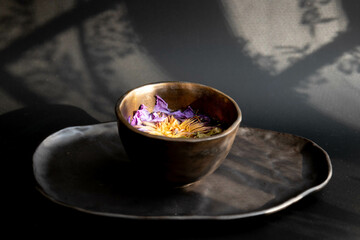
86, 168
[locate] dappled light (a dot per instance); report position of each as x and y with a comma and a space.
92, 60
335, 85
88, 64
278, 34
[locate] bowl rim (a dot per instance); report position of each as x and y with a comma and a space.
230, 129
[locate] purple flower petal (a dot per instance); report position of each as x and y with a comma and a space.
177, 114
157, 117
160, 105
140, 116
189, 112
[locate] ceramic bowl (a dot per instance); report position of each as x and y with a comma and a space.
177, 162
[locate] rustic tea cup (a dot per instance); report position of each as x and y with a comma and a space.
177, 162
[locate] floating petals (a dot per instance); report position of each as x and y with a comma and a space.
140, 116
157, 116
161, 105
164, 122
187, 113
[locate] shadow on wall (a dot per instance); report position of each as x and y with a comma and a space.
84, 53
91, 52
194, 42
46, 61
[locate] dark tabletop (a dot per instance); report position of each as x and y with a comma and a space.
292, 66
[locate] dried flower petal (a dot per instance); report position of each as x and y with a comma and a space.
187, 113
157, 116
140, 115
161, 105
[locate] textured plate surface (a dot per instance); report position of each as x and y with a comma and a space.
86, 168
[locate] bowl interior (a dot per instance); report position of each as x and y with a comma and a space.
179, 95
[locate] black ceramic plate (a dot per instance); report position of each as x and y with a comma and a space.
86, 168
